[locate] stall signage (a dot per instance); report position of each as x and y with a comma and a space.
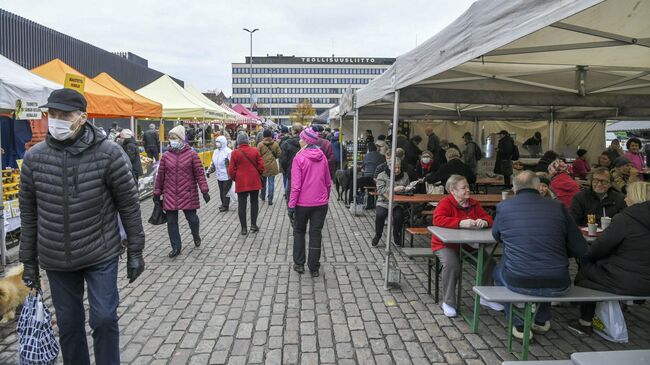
75, 82
27, 110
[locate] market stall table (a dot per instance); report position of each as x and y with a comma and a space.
462, 237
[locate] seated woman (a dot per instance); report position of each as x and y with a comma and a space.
544, 186
619, 260
562, 184
458, 210
383, 184
426, 165
604, 161
581, 167
624, 174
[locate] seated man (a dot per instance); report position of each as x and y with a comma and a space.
600, 197
538, 237
454, 166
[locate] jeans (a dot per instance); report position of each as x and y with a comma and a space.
543, 313
398, 221
270, 181
224, 187
172, 227
68, 298
315, 216
241, 198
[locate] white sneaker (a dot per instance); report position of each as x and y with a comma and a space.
448, 310
541, 328
520, 334
492, 305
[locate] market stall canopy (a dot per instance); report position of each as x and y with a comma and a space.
225, 114
238, 117
102, 102
520, 59
18, 83
176, 101
629, 126
142, 107
245, 112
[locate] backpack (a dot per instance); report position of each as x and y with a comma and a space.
478, 154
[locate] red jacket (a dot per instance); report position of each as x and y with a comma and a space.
581, 168
565, 188
246, 174
448, 215
178, 174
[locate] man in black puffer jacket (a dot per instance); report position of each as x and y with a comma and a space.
601, 196
289, 148
72, 186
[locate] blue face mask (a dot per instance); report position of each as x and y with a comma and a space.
176, 144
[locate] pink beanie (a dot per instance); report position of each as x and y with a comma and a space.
309, 136
556, 167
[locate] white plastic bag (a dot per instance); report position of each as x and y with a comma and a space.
435, 189
609, 322
231, 193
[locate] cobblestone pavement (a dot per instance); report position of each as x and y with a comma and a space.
235, 300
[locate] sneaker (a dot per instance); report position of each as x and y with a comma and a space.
518, 333
492, 305
197, 242
299, 268
255, 228
375, 241
541, 327
448, 310
314, 274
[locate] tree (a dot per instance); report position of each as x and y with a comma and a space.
304, 113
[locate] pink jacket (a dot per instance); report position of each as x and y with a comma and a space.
636, 159
179, 173
310, 179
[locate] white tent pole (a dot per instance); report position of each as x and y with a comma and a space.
355, 151
391, 187
133, 126
551, 138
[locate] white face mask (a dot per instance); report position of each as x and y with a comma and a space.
426, 160
176, 144
60, 129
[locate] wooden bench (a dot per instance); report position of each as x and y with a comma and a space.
575, 294
426, 212
426, 252
417, 231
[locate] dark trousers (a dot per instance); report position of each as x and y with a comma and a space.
153, 152
68, 298
172, 227
224, 187
398, 221
255, 206
315, 216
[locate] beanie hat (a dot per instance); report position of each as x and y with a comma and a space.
622, 161
581, 152
556, 167
309, 136
126, 133
267, 133
178, 131
284, 129
242, 138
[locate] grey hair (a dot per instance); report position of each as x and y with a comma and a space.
525, 180
452, 153
452, 181
152, 126
398, 161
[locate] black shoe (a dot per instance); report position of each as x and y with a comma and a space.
375, 241
223, 209
174, 253
254, 228
244, 232
197, 243
270, 202
314, 274
298, 268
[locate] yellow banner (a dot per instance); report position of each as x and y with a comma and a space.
75, 82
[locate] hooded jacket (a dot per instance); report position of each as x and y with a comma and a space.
270, 151
70, 194
133, 153
179, 173
246, 166
370, 162
448, 214
219, 157
587, 202
310, 179
289, 148
564, 188
619, 260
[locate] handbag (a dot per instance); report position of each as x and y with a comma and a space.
36, 340
158, 215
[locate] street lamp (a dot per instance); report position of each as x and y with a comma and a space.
251, 66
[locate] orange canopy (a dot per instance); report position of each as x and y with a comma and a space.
142, 107
102, 102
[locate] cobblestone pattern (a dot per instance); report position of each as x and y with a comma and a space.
235, 300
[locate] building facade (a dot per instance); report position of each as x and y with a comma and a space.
279, 83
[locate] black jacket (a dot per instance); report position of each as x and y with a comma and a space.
133, 153
453, 167
289, 148
619, 260
70, 194
587, 202
433, 144
505, 150
151, 139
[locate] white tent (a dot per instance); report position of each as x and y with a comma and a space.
18, 83
226, 114
176, 101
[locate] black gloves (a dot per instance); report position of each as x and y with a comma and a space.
31, 275
134, 265
206, 197
156, 198
292, 213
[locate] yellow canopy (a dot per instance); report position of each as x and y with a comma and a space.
102, 102
142, 107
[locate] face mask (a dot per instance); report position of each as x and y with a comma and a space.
60, 129
426, 160
218, 144
176, 144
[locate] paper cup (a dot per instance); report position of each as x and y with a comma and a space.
504, 195
605, 221
592, 229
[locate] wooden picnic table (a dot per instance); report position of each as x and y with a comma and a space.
486, 182
486, 200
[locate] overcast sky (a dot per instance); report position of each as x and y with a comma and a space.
198, 43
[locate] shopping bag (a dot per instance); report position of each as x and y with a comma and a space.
609, 322
231, 193
36, 340
158, 215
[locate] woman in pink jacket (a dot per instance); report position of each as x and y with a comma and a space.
310, 193
635, 155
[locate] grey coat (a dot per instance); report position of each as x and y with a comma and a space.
383, 185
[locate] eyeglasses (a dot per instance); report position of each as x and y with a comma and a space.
601, 181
